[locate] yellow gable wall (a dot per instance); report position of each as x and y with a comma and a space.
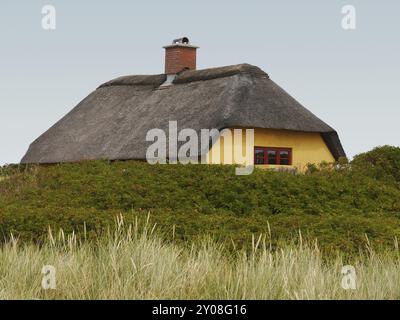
307, 147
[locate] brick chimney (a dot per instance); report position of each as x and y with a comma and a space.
179, 56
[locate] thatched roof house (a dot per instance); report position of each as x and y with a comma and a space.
112, 122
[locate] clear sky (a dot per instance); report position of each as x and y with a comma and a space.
349, 78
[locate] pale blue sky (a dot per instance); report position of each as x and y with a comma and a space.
350, 79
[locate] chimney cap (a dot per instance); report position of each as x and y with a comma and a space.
181, 42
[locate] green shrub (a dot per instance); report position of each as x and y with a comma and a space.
381, 163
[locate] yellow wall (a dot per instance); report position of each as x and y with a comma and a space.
307, 147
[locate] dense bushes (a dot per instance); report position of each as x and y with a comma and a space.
339, 206
380, 163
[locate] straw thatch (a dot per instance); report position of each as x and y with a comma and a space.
112, 122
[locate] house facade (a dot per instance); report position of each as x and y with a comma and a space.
277, 149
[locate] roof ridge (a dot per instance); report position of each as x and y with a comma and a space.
136, 80
219, 72
187, 76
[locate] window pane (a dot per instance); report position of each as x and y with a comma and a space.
284, 155
259, 156
271, 157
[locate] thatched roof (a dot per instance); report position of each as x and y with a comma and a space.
112, 122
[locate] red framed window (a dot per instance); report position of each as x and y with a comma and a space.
269, 155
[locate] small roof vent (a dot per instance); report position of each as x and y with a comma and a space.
169, 81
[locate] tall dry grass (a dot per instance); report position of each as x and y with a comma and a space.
134, 263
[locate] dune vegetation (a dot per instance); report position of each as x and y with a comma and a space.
132, 262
